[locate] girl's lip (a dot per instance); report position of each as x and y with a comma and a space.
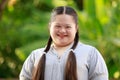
62, 36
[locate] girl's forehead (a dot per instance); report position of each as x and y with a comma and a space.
64, 18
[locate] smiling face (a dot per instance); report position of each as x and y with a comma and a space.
63, 30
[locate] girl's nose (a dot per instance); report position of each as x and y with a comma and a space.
62, 30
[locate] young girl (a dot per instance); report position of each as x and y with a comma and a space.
64, 57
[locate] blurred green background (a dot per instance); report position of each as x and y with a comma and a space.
24, 27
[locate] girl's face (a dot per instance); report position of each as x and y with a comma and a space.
63, 30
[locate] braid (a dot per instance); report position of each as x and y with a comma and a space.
39, 72
75, 40
48, 45
71, 65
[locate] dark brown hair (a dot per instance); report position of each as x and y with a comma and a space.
70, 72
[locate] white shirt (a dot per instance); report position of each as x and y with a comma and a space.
90, 64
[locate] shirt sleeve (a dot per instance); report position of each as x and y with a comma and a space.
26, 71
97, 66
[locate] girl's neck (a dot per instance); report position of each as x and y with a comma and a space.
61, 49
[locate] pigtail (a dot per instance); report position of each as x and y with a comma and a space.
38, 73
71, 64
48, 45
70, 69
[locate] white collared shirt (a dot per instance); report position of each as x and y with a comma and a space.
90, 64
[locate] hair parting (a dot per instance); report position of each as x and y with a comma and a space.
64, 10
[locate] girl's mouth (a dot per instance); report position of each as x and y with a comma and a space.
61, 36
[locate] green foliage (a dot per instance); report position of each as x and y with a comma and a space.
104, 32
24, 27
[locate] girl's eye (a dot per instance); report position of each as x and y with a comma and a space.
57, 26
68, 26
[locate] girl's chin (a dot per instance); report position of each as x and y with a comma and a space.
62, 44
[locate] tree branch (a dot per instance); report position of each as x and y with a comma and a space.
2, 6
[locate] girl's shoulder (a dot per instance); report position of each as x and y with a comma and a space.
38, 50
84, 46
86, 49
